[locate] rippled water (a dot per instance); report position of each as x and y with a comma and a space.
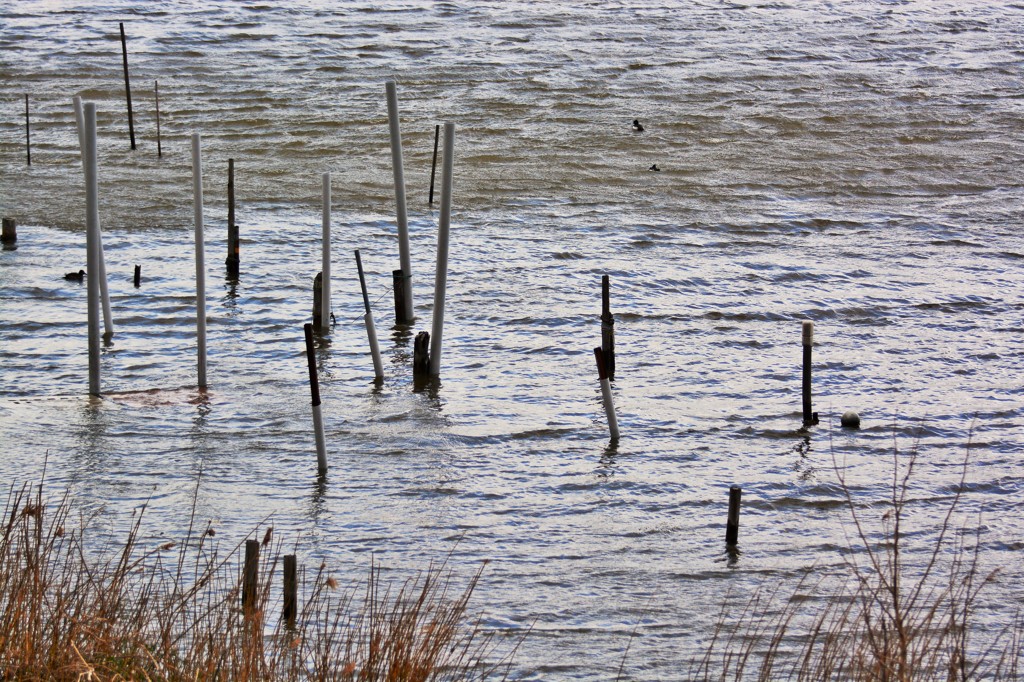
856, 164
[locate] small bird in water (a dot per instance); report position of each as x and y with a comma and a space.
75, 276
637, 126
654, 167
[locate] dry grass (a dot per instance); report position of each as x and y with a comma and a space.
172, 612
891, 621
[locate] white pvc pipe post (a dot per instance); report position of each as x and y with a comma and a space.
108, 322
325, 288
92, 247
371, 330
197, 207
314, 390
443, 225
606, 395
401, 214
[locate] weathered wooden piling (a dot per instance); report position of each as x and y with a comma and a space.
607, 328
433, 164
10, 231
127, 87
807, 338
443, 228
317, 300
28, 136
421, 355
232, 261
250, 575
92, 239
314, 390
197, 209
290, 603
371, 330
156, 96
606, 396
401, 214
732, 525
137, 280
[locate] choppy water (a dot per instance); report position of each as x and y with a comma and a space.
856, 164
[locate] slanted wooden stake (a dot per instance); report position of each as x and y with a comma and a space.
314, 389
291, 593
807, 337
371, 330
127, 87
606, 395
232, 261
28, 138
250, 575
607, 329
433, 164
156, 94
10, 231
732, 526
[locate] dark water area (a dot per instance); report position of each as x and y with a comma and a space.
853, 164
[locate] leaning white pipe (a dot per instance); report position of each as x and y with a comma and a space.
92, 247
443, 225
371, 335
606, 395
321, 442
402, 217
325, 288
197, 207
108, 322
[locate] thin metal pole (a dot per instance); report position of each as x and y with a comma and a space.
371, 330
156, 94
127, 87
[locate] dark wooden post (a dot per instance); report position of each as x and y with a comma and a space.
233, 258
291, 597
138, 275
433, 165
607, 329
421, 355
156, 94
10, 231
807, 337
317, 300
732, 526
250, 574
127, 87
398, 286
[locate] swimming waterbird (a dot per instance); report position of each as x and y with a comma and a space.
75, 276
637, 126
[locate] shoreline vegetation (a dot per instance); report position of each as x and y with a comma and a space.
173, 611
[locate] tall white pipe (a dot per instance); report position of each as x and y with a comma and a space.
325, 288
108, 321
402, 218
92, 246
443, 225
371, 335
197, 208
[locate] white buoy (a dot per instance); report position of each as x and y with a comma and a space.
371, 330
402, 217
197, 208
325, 286
108, 321
92, 247
606, 395
443, 225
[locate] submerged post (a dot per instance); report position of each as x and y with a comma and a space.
232, 261
10, 231
443, 225
732, 525
433, 164
28, 138
401, 215
807, 337
137, 280
92, 237
156, 95
250, 575
291, 597
325, 285
607, 329
371, 330
127, 87
606, 396
197, 208
314, 389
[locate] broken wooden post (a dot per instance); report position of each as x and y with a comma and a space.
250, 575
291, 597
421, 355
10, 231
732, 525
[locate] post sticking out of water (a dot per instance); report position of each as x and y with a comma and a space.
443, 226
197, 207
250, 575
28, 137
606, 395
156, 95
290, 605
138, 276
402, 217
314, 389
421, 355
433, 164
325, 288
317, 299
10, 231
92, 241
732, 525
232, 261
607, 329
807, 338
127, 87
371, 330
108, 322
